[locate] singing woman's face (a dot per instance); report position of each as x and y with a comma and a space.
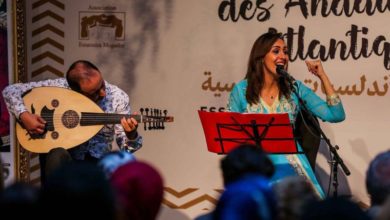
278, 55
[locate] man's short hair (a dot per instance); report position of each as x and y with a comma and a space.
73, 80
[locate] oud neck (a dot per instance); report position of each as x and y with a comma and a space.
91, 118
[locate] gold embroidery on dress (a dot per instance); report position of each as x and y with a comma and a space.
258, 108
273, 108
333, 100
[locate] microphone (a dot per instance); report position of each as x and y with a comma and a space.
283, 73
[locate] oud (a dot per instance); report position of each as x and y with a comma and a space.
72, 119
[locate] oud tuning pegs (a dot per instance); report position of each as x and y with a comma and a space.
141, 110
150, 118
153, 121
162, 120
146, 118
155, 124
153, 118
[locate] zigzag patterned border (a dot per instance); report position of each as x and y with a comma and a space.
41, 56
42, 32
188, 193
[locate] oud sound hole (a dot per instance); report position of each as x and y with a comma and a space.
70, 119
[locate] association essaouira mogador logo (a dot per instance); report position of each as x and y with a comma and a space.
101, 27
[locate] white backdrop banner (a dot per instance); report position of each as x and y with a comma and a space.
185, 56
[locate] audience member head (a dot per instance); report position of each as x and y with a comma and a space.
384, 212
335, 209
250, 197
20, 200
245, 159
79, 189
378, 178
293, 193
1, 175
55, 158
112, 160
139, 190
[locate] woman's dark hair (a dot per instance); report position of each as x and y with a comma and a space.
255, 73
73, 80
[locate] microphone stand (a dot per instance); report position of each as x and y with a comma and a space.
336, 159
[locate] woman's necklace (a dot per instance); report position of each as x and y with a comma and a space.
274, 96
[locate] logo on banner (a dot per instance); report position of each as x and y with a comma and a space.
102, 27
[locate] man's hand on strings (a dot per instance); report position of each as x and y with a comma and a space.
34, 124
130, 127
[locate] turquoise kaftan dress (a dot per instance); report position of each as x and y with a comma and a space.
290, 164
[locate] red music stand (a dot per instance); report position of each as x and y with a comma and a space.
226, 130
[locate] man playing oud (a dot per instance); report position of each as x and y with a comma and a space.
85, 78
